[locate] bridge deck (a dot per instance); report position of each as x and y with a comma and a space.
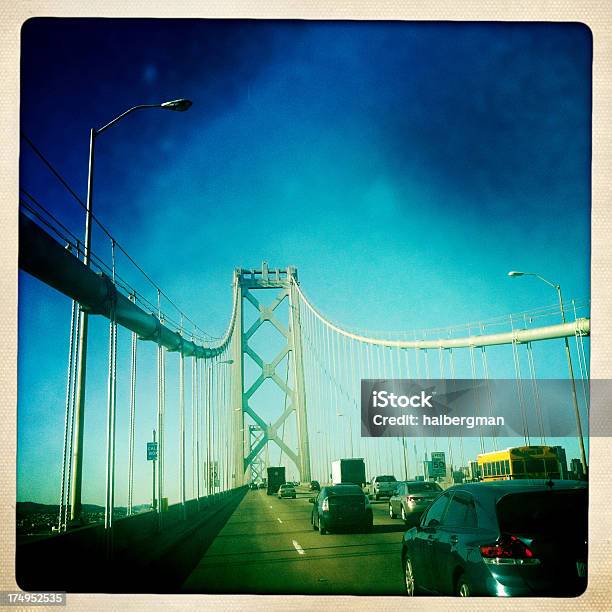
258, 551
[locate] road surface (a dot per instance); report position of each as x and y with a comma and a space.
269, 546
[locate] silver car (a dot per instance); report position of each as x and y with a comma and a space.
286, 490
412, 498
382, 486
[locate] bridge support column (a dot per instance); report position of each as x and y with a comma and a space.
238, 388
299, 395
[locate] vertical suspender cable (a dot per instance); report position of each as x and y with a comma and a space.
451, 459
356, 394
485, 367
199, 430
132, 420
453, 376
227, 412
73, 399
208, 430
111, 418
519, 387
582, 362
477, 398
63, 508
194, 425
182, 429
536, 393
161, 399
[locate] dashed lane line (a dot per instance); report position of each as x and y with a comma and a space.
297, 547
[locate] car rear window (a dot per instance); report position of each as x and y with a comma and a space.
424, 487
385, 479
550, 512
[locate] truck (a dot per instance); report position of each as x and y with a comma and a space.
348, 471
276, 477
383, 486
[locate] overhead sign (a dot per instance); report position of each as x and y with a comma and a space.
438, 464
151, 451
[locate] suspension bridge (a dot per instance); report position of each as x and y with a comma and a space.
281, 386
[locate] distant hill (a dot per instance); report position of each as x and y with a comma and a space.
26, 508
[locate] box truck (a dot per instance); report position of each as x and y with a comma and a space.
348, 471
276, 477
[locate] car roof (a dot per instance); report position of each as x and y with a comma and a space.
499, 488
417, 482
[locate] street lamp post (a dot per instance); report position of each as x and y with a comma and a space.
556, 286
75, 509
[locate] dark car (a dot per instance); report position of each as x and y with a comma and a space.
412, 498
503, 538
314, 485
341, 506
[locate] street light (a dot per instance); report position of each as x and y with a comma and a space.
75, 511
515, 273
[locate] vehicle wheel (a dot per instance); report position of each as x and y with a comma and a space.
391, 513
409, 581
322, 530
463, 588
404, 517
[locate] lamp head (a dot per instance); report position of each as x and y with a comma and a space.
180, 105
515, 273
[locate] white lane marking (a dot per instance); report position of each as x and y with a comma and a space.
297, 547
278, 520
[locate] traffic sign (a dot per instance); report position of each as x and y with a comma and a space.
151, 451
438, 464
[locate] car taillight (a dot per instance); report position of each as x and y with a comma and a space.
325, 505
508, 550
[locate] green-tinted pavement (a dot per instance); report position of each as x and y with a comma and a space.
268, 546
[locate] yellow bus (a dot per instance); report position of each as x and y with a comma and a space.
519, 462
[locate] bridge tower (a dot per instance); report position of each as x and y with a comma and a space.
248, 448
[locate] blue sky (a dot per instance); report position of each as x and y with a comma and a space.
404, 168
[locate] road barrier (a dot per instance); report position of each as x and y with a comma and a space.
138, 556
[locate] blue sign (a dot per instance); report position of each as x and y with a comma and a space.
151, 451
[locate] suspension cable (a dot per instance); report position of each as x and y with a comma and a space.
519, 388
63, 508
132, 423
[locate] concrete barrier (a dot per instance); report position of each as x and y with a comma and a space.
137, 557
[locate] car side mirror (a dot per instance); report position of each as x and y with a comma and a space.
312, 500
